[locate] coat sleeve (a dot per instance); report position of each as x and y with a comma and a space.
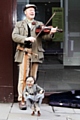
47, 37
16, 36
25, 93
39, 88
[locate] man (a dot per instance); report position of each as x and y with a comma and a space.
29, 47
34, 95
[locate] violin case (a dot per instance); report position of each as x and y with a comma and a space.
69, 99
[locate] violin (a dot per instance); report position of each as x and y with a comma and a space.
40, 30
45, 29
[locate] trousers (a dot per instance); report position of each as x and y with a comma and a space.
24, 72
36, 101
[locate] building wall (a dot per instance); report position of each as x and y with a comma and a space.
38, 1
8, 69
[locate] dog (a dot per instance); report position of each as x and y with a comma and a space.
33, 95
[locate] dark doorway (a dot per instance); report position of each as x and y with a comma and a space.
53, 49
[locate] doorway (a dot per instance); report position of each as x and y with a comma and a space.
53, 48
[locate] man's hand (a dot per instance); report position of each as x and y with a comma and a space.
32, 39
53, 30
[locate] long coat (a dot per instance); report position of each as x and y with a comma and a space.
19, 34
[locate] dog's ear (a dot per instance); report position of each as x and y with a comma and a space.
26, 78
33, 78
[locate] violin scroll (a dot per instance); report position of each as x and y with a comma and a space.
59, 30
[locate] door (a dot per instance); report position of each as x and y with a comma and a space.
6, 50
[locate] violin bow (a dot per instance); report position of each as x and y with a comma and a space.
46, 24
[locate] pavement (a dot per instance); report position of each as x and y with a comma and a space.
11, 111
54, 77
67, 79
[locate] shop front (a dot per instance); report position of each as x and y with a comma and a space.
63, 51
65, 46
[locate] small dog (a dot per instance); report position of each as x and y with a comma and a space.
33, 95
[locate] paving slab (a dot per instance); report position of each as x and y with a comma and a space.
5, 110
11, 111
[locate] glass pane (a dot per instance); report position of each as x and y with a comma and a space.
73, 56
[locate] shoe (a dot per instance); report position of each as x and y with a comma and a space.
22, 105
33, 113
39, 114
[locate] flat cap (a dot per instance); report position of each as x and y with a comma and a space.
29, 6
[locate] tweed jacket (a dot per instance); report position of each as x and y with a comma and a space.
19, 34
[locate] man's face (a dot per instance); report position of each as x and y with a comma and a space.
30, 13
